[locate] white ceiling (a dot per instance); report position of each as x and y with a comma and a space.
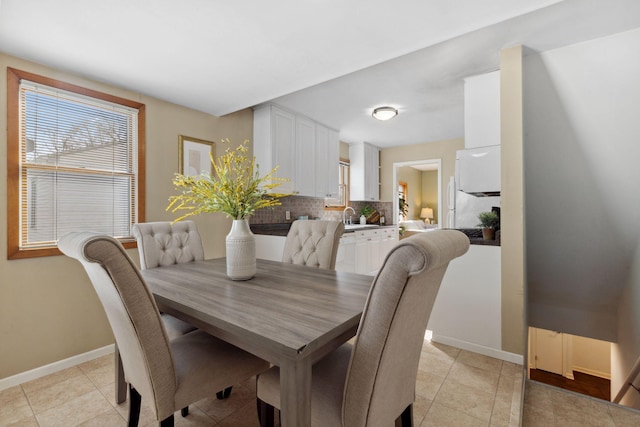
332, 60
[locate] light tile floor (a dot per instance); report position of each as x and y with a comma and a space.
454, 388
547, 406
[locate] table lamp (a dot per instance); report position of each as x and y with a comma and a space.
427, 214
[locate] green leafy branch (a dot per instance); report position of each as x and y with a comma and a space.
235, 188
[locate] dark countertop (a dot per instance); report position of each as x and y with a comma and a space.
475, 237
281, 229
369, 227
277, 229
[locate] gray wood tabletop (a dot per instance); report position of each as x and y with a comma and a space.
287, 314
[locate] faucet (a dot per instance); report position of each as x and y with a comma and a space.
344, 214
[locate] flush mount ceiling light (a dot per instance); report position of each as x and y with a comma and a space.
384, 113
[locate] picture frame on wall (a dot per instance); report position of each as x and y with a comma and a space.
194, 155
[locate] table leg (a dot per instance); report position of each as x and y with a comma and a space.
295, 393
121, 385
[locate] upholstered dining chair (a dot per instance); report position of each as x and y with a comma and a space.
313, 243
171, 374
372, 381
164, 243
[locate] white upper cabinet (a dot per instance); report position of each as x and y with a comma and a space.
327, 159
482, 110
274, 134
333, 166
306, 152
364, 169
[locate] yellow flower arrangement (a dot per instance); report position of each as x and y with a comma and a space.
235, 188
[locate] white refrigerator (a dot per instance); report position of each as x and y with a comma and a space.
463, 208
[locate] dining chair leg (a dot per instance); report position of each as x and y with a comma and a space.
223, 394
167, 422
134, 407
265, 413
121, 384
406, 418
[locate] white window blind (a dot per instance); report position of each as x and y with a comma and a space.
78, 165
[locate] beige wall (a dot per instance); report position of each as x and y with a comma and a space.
413, 178
344, 150
512, 200
48, 309
591, 356
423, 191
430, 194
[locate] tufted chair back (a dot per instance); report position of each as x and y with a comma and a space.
166, 243
313, 243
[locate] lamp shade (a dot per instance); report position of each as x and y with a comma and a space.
426, 213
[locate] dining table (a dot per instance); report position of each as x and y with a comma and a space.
289, 315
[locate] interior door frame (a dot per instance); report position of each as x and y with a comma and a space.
567, 352
397, 165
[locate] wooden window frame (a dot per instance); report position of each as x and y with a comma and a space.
13, 158
347, 190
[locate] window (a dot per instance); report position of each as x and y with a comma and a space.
74, 163
343, 182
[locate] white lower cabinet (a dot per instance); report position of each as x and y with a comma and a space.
346, 257
388, 239
269, 247
363, 251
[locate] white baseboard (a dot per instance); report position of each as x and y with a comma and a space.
593, 372
480, 349
51, 368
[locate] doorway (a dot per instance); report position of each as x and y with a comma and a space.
571, 362
415, 202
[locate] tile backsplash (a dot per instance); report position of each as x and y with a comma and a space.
314, 208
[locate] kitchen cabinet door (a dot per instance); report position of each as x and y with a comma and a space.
346, 257
362, 261
372, 173
388, 239
367, 252
364, 170
305, 152
482, 110
269, 247
274, 135
333, 165
327, 161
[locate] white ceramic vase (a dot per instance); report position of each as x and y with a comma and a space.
241, 251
